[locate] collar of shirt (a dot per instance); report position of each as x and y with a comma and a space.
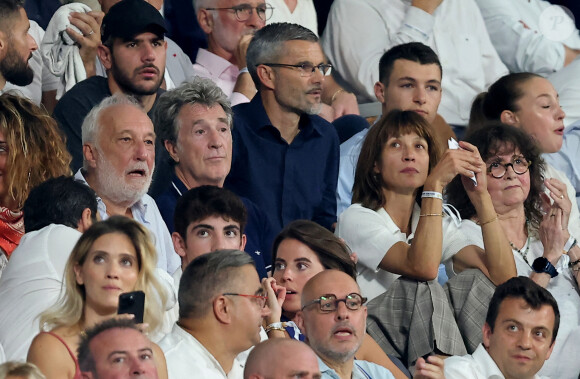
487, 364
258, 119
357, 373
216, 64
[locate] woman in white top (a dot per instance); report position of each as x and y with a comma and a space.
395, 223
541, 243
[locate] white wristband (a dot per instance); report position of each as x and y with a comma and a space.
245, 69
432, 194
569, 244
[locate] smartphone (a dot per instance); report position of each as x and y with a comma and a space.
132, 303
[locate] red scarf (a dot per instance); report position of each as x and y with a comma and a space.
11, 229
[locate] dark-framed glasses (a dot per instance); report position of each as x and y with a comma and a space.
243, 12
520, 165
305, 69
260, 299
329, 303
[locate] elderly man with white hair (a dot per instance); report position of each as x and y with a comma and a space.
119, 159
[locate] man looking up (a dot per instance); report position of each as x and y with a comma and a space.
285, 158
133, 53
16, 45
518, 335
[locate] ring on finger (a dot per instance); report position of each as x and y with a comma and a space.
561, 196
91, 32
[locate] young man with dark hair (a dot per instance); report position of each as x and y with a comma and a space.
518, 335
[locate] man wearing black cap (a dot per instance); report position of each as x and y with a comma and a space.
133, 52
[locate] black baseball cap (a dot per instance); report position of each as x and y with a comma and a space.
128, 18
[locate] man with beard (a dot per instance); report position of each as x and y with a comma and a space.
285, 157
119, 158
333, 319
16, 45
133, 53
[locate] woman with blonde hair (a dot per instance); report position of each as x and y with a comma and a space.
32, 150
20, 370
112, 257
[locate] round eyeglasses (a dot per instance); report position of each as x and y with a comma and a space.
260, 299
243, 12
520, 165
329, 303
305, 69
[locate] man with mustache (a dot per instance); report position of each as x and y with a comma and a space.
16, 45
119, 158
133, 51
285, 157
333, 319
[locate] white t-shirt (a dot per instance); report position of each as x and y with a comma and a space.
31, 283
304, 14
370, 234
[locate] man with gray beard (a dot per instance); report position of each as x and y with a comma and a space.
119, 158
285, 157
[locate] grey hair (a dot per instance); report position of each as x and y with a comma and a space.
198, 4
21, 369
206, 277
199, 91
267, 46
90, 127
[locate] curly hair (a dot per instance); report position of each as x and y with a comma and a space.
330, 250
36, 149
367, 188
496, 138
70, 307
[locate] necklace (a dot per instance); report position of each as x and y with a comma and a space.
524, 250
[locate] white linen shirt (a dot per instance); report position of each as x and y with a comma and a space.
186, 358
514, 29
479, 365
304, 14
145, 212
370, 234
358, 32
31, 284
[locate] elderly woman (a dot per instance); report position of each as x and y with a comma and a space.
112, 257
32, 150
538, 239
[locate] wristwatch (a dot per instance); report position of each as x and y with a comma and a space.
542, 265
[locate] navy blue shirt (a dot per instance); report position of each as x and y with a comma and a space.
258, 230
287, 181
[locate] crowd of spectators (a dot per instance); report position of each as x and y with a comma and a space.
246, 174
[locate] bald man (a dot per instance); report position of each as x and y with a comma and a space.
282, 358
333, 319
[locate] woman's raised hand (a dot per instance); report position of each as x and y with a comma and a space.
465, 161
559, 195
276, 296
552, 233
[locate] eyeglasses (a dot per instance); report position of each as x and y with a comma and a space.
243, 12
260, 299
329, 303
306, 69
519, 164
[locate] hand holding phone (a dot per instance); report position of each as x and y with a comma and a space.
132, 303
